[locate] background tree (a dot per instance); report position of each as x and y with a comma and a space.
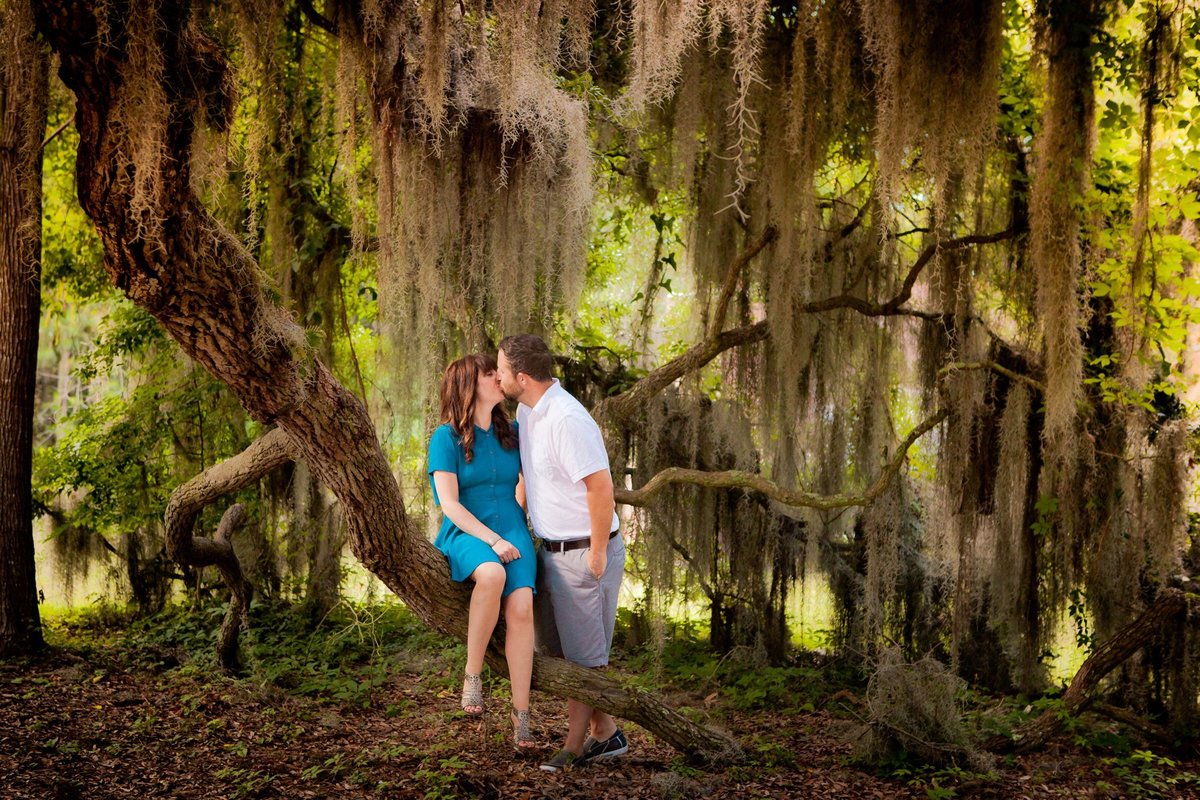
23, 100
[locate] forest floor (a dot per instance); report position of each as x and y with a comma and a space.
365, 705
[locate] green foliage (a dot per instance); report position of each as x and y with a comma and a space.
1077, 608
1147, 775
1004, 719
345, 658
72, 269
1046, 507
440, 780
635, 250
938, 782
742, 682
246, 782
128, 450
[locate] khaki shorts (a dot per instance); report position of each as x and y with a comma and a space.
575, 613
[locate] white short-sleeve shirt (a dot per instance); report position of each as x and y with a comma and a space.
560, 446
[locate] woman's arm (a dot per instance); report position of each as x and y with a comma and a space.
521, 492
446, 484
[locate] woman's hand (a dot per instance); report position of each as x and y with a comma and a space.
506, 550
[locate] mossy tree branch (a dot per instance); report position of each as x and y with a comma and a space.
733, 276
753, 482
620, 408
894, 306
999, 369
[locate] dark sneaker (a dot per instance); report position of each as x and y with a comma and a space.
563, 760
613, 746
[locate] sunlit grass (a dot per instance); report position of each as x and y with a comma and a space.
811, 613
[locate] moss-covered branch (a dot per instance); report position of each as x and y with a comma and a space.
999, 369
263, 456
893, 306
753, 482
620, 408
734, 275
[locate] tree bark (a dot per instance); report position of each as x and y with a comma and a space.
24, 73
173, 259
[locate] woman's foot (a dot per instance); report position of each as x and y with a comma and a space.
472, 694
522, 738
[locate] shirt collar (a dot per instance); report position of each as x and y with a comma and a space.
542, 405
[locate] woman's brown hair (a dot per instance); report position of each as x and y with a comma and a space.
458, 403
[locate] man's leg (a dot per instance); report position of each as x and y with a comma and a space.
578, 716
575, 605
545, 630
603, 726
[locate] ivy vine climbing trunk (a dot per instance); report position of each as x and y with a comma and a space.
23, 92
144, 75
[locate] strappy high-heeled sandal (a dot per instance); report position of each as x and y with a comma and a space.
472, 694
523, 740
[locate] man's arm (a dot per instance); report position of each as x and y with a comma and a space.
599, 487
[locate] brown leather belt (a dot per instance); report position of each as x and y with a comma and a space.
571, 544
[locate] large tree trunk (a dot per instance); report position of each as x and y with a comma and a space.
173, 259
23, 92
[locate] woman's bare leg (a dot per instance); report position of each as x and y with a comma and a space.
518, 644
485, 610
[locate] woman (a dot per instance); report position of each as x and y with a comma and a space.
475, 471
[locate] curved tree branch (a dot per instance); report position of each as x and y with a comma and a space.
317, 18
620, 408
734, 274
892, 307
267, 453
240, 589
753, 482
999, 369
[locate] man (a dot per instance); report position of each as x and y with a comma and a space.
569, 491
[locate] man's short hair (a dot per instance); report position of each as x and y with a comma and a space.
529, 354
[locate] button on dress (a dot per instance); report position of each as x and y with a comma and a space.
487, 488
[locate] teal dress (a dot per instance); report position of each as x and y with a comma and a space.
487, 487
